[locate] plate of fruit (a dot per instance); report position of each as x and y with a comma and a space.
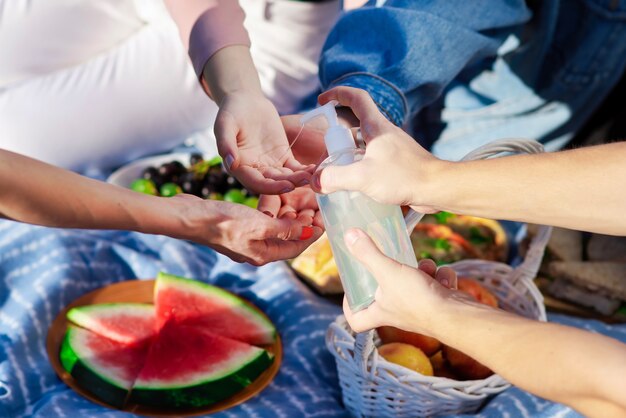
165, 347
193, 173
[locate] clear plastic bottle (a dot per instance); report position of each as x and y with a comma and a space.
343, 210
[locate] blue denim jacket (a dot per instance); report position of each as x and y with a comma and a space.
461, 73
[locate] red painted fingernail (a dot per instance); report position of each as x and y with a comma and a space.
307, 232
268, 213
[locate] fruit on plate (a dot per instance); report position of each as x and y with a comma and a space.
193, 348
191, 367
191, 302
440, 243
123, 322
100, 365
477, 291
428, 345
486, 236
463, 365
407, 356
447, 237
203, 178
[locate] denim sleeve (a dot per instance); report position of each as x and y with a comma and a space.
405, 52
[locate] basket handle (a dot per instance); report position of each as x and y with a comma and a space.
527, 270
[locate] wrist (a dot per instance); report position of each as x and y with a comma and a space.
434, 188
229, 71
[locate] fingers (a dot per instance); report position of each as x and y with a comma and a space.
226, 131
276, 249
296, 166
364, 250
297, 178
334, 178
254, 180
372, 121
360, 321
269, 205
428, 266
286, 229
447, 277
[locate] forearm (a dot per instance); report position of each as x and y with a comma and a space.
50, 196
567, 365
578, 189
231, 70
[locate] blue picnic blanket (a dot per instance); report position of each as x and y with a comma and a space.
43, 269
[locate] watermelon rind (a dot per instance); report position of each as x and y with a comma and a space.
166, 279
87, 317
103, 387
205, 392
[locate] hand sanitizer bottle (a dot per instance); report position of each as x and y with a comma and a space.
343, 210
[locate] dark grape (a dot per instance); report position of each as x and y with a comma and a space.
206, 192
195, 158
189, 184
178, 168
150, 173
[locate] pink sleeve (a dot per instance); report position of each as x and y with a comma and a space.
207, 26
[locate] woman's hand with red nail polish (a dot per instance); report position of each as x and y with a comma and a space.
242, 233
298, 204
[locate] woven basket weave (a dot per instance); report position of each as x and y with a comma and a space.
374, 387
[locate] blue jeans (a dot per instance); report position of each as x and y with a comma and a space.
460, 73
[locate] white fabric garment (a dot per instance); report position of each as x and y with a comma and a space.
93, 84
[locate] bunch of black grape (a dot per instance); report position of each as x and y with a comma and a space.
203, 178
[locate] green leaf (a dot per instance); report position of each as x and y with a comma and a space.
476, 237
442, 217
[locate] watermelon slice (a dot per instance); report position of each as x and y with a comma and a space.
191, 302
188, 366
102, 366
123, 322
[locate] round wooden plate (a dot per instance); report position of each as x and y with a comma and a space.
141, 291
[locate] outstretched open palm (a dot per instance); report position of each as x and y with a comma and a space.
252, 141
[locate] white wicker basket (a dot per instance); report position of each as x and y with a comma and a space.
374, 387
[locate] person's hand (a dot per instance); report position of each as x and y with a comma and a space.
307, 143
406, 298
298, 204
254, 147
242, 233
395, 169
250, 137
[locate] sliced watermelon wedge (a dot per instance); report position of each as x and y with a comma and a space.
191, 302
123, 322
102, 366
187, 366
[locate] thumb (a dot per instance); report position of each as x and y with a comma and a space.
334, 178
226, 131
365, 251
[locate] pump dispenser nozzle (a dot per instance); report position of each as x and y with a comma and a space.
337, 138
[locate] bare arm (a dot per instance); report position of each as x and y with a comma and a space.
575, 367
38, 193
567, 365
579, 189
